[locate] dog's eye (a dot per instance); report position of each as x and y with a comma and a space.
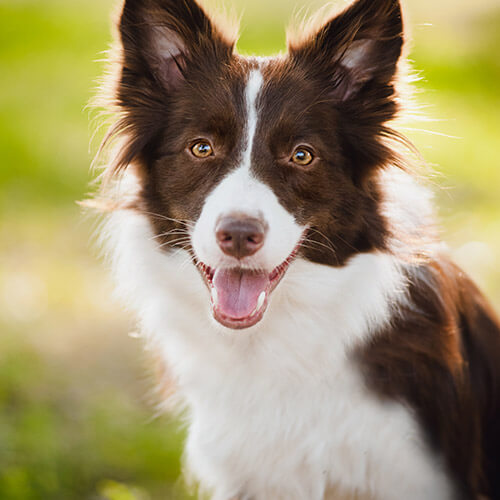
202, 149
302, 156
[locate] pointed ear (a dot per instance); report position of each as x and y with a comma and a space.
160, 38
162, 43
361, 45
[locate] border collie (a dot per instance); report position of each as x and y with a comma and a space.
282, 262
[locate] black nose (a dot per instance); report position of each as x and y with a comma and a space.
240, 236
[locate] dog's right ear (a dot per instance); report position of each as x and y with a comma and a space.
163, 43
160, 38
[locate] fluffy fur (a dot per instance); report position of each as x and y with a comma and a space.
370, 367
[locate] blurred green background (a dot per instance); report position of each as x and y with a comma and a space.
76, 399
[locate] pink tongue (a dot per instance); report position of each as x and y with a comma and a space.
238, 291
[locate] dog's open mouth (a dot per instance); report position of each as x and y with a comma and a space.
240, 296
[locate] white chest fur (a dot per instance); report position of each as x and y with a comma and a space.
279, 410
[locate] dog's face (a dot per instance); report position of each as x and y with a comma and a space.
248, 163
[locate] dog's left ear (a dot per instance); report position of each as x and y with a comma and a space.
353, 58
355, 50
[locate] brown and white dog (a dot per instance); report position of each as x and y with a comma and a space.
282, 263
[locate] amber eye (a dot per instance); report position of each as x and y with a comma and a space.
301, 156
202, 149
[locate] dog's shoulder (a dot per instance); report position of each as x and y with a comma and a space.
439, 355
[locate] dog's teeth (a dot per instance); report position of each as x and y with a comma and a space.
215, 297
260, 300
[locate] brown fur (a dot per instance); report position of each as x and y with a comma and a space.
441, 357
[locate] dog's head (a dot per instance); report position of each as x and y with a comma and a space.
247, 163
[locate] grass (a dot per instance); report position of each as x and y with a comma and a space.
74, 421
66, 437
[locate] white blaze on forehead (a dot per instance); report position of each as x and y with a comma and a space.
253, 88
241, 192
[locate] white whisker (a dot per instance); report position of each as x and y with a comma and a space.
188, 223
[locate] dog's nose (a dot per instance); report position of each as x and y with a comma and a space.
240, 236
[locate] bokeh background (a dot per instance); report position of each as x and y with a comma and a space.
77, 415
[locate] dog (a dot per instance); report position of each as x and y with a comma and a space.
266, 227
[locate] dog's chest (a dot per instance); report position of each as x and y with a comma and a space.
270, 427
314, 432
